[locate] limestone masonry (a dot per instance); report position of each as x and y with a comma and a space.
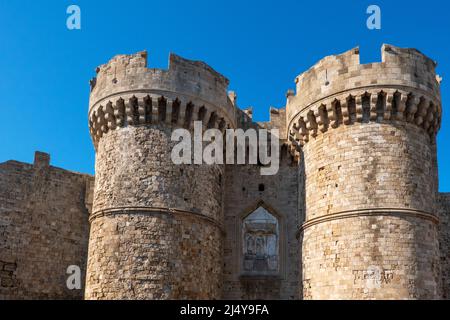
353, 213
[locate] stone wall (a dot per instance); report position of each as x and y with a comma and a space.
379, 257
277, 121
390, 166
366, 136
444, 242
156, 228
43, 229
370, 207
245, 191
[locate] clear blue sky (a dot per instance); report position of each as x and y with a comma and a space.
261, 46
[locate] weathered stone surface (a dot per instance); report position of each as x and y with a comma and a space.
444, 242
280, 198
152, 219
43, 229
353, 213
156, 227
366, 136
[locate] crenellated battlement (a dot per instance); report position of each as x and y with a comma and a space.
127, 92
339, 90
126, 73
336, 73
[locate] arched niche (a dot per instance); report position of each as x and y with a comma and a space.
260, 245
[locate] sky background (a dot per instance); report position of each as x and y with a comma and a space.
261, 46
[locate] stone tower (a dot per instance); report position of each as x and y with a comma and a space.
156, 228
366, 136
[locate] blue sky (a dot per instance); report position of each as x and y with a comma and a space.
261, 46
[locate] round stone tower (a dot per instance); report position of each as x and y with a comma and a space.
365, 135
156, 227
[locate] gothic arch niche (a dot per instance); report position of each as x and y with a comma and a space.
261, 243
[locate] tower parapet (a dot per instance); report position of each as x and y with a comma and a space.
339, 90
127, 92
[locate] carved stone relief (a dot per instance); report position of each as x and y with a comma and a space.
260, 239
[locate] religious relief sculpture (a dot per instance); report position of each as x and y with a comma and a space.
260, 232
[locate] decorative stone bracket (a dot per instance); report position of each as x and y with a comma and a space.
364, 107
